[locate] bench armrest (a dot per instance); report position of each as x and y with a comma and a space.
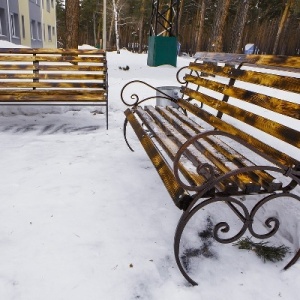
135, 98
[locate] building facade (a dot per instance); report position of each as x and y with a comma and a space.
29, 23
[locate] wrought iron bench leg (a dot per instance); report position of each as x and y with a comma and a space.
243, 214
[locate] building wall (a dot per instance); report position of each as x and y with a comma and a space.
24, 23
35, 21
49, 23
30, 23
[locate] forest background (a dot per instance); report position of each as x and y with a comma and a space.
273, 26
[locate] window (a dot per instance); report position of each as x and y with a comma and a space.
14, 25
2, 22
23, 27
39, 31
49, 33
52, 3
48, 5
53, 31
33, 30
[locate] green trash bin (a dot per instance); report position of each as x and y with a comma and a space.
162, 50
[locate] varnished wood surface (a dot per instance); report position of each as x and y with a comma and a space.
37, 75
282, 62
233, 100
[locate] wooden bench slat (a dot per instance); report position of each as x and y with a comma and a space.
72, 76
202, 152
13, 51
279, 157
51, 97
57, 68
164, 138
56, 76
52, 58
171, 148
175, 190
69, 67
17, 67
273, 128
206, 147
53, 85
70, 59
279, 61
16, 58
261, 177
269, 80
271, 103
274, 60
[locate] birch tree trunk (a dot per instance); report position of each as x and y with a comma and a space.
116, 26
72, 23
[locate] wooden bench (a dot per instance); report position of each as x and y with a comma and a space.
241, 139
53, 77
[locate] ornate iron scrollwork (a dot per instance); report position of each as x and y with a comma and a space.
135, 97
247, 218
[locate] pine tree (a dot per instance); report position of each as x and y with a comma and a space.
72, 23
216, 43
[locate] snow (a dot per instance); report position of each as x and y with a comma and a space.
82, 217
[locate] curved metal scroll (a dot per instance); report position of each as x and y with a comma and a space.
137, 101
213, 181
136, 98
247, 220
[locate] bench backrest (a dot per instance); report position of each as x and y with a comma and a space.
259, 105
71, 75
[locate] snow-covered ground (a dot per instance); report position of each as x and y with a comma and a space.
83, 218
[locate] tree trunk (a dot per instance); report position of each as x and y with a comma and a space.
180, 16
285, 15
216, 43
110, 32
200, 25
72, 23
116, 26
141, 26
239, 26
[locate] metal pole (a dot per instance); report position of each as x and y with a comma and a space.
104, 25
9, 22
